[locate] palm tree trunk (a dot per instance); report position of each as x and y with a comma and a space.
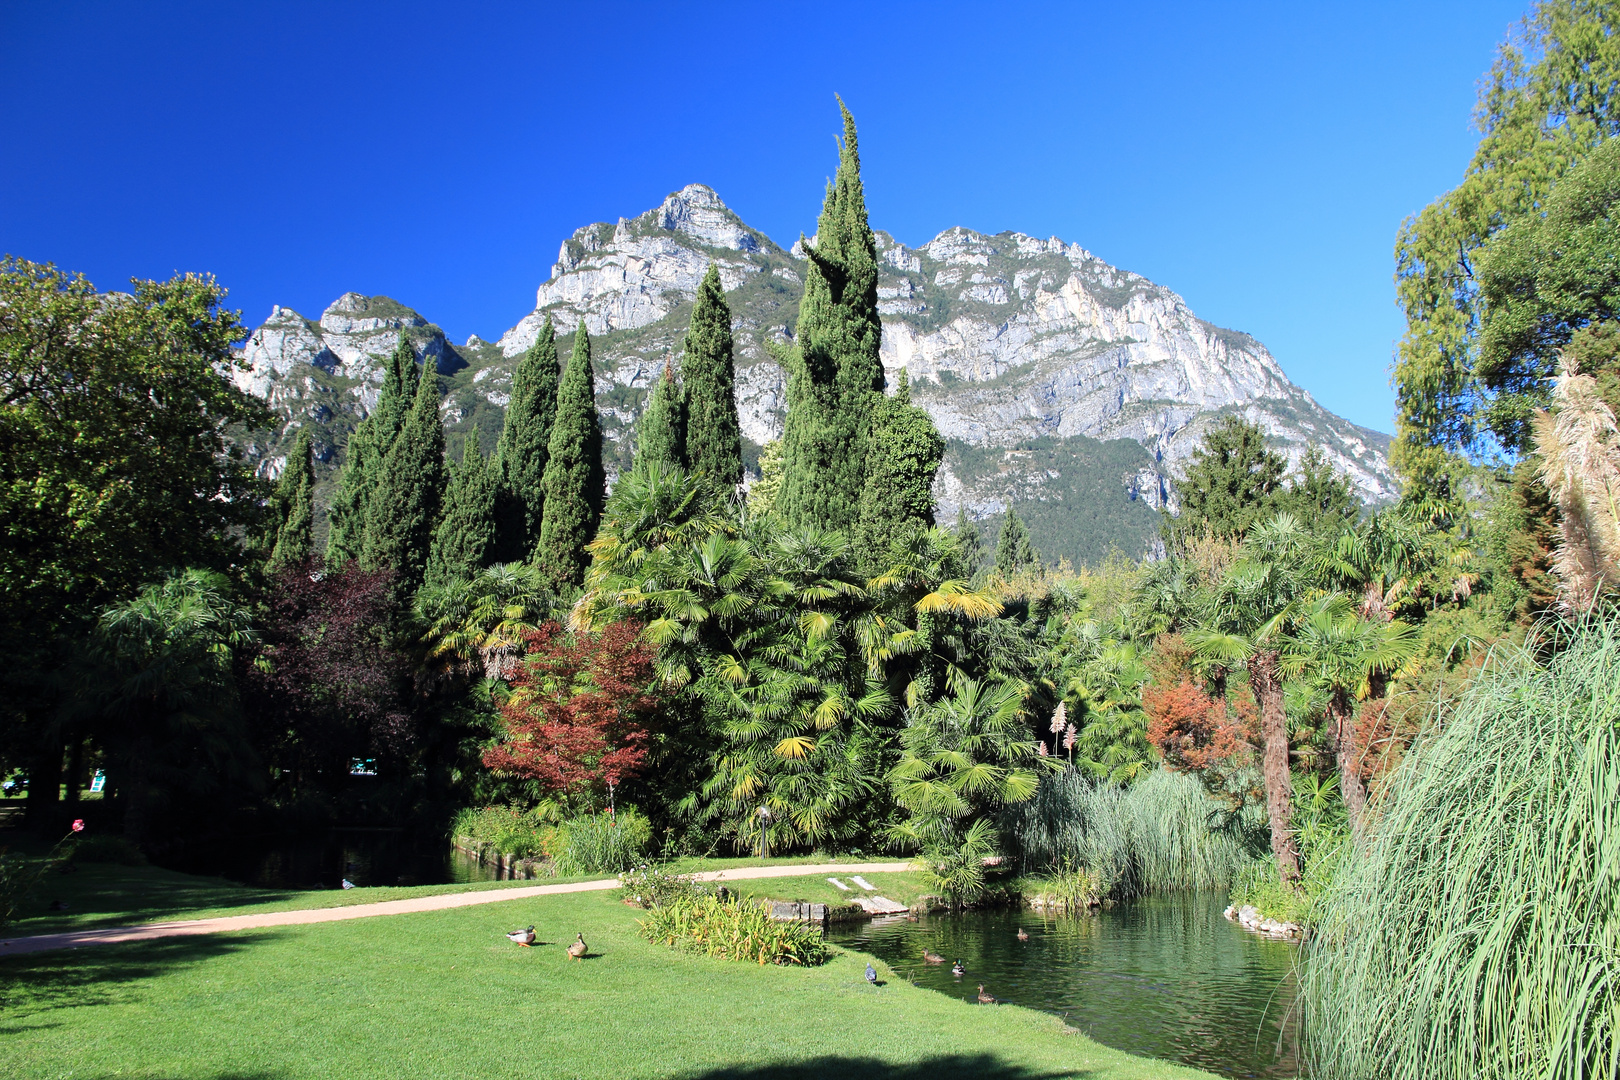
1265, 678
1349, 758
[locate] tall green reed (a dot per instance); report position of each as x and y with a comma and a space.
1159, 834
1478, 934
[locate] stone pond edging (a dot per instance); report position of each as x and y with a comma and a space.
1249, 917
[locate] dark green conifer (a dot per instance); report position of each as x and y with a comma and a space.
409, 492
708, 370
661, 432
294, 501
520, 457
464, 542
1014, 554
575, 484
835, 374
968, 542
368, 446
902, 455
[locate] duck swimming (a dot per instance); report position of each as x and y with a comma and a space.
958, 970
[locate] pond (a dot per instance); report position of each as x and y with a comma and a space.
1165, 977
324, 859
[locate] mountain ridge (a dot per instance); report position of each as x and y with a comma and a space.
1011, 342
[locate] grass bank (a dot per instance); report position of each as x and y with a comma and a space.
106, 894
444, 994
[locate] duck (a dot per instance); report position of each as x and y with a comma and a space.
524, 938
1022, 934
932, 957
958, 970
984, 998
578, 949
871, 974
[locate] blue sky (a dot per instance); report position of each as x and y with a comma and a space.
1257, 158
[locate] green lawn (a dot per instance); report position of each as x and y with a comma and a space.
442, 994
104, 894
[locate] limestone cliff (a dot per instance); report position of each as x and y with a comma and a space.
1058, 379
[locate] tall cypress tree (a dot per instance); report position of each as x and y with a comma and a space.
295, 502
575, 484
409, 492
520, 456
968, 542
902, 457
834, 373
713, 434
464, 542
661, 432
363, 457
1013, 551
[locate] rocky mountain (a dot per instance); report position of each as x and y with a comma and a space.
1066, 387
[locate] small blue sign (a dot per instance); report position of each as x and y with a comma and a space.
98, 782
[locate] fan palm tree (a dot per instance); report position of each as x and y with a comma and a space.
1254, 608
157, 672
478, 623
963, 756
1338, 650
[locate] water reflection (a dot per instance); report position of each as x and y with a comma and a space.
1166, 977
324, 860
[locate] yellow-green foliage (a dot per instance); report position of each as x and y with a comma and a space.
733, 930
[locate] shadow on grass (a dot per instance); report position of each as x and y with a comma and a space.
104, 894
44, 982
947, 1067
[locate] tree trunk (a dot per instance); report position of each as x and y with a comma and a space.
75, 777
44, 789
1342, 712
1266, 680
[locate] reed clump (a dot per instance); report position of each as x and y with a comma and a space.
1478, 934
1162, 833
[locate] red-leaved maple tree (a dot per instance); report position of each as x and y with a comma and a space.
1195, 732
576, 720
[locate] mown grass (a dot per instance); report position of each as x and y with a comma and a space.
443, 994
105, 894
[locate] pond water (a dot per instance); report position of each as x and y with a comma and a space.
322, 860
1164, 977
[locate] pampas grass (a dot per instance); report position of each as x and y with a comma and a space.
1479, 934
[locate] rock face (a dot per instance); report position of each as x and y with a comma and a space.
1060, 382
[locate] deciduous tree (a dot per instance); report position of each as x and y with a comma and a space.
577, 716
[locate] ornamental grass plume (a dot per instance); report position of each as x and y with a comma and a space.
1479, 933
1579, 446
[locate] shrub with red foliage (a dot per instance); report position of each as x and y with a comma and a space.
1193, 731
576, 717
327, 684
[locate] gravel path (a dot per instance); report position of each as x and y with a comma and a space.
73, 939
